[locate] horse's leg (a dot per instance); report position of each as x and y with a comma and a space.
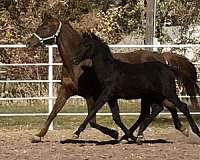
191, 91
171, 107
63, 95
116, 117
184, 109
103, 98
112, 133
194, 102
156, 109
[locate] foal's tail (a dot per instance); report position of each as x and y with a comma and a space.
186, 75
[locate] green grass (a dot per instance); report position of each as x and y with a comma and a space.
72, 122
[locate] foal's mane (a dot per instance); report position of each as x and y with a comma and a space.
90, 36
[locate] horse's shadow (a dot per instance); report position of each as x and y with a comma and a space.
112, 142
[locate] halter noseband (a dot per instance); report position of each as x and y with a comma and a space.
54, 36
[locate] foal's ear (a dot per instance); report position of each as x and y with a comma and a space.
46, 15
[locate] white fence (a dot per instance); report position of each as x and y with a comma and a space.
50, 80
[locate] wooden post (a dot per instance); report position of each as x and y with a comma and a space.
150, 22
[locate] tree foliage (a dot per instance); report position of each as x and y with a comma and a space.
183, 13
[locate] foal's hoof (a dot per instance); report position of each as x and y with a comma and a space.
75, 136
139, 140
114, 134
36, 139
185, 131
128, 138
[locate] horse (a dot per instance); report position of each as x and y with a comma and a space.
153, 82
53, 31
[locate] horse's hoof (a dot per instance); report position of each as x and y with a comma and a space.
114, 134
36, 139
139, 140
75, 136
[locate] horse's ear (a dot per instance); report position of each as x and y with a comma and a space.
46, 16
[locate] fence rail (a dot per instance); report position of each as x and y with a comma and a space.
50, 80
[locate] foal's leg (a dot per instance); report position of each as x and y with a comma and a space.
103, 98
116, 117
145, 112
156, 109
112, 133
63, 95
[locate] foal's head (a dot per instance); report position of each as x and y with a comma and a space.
46, 33
87, 47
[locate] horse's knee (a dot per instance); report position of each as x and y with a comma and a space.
69, 84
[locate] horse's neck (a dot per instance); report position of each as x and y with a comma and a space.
103, 63
68, 42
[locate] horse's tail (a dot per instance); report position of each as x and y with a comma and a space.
186, 74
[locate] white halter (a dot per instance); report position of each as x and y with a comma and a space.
54, 36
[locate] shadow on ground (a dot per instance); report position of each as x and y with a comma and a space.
112, 142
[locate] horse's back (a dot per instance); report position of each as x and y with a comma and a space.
139, 56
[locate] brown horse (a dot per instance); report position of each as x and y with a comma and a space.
75, 81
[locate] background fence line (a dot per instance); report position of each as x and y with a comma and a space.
50, 80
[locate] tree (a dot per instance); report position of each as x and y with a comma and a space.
150, 22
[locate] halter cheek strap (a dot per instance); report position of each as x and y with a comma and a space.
54, 36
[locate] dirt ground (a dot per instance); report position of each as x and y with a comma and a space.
160, 144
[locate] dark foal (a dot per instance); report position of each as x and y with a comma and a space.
153, 82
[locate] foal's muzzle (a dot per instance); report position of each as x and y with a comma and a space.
76, 60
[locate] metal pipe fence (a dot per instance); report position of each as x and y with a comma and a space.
51, 81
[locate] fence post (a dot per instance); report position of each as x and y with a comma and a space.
50, 78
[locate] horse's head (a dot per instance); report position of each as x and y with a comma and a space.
46, 33
86, 48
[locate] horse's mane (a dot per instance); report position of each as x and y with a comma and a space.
68, 27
